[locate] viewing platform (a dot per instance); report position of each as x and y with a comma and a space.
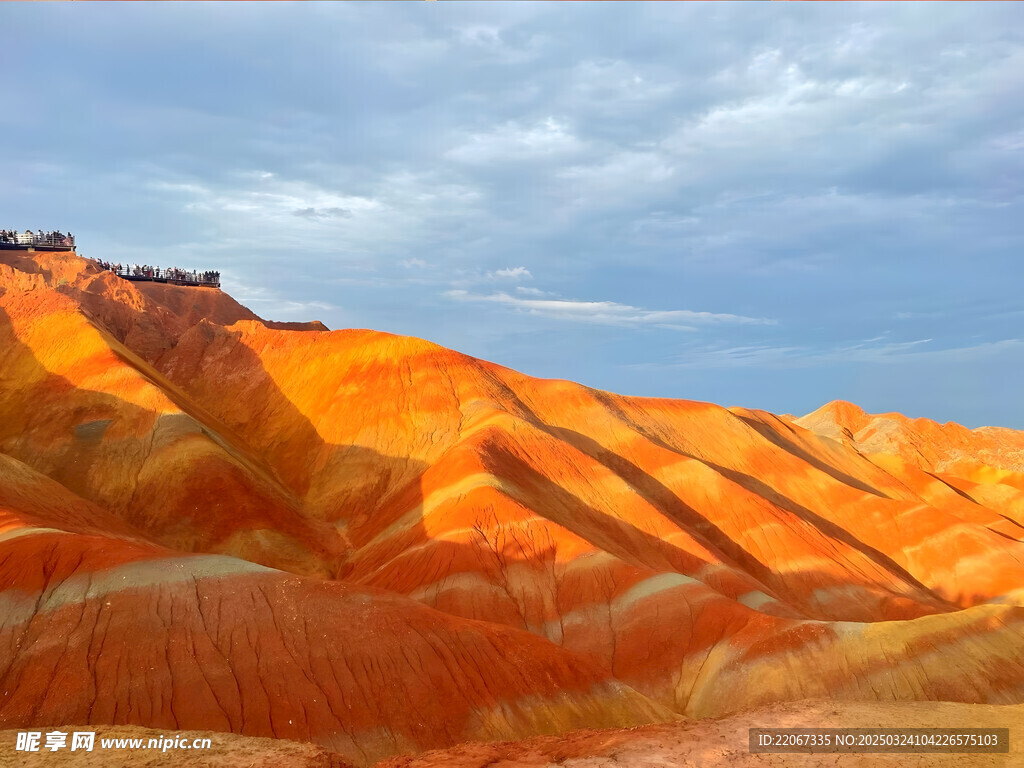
172, 275
11, 240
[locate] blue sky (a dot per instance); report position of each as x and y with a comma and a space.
762, 205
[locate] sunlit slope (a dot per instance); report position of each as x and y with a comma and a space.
947, 464
991, 453
712, 559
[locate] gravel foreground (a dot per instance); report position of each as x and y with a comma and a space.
709, 743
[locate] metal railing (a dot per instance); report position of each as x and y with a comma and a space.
174, 275
36, 238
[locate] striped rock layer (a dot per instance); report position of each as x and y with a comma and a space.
213, 522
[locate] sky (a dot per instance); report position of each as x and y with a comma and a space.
764, 205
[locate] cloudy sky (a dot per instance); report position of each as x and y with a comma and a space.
762, 205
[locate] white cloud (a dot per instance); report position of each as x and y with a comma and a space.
493, 41
1009, 142
607, 84
398, 209
527, 291
270, 305
782, 100
413, 263
626, 175
511, 273
484, 35
607, 312
316, 214
271, 198
868, 351
514, 141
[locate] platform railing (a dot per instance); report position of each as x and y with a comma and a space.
29, 238
173, 276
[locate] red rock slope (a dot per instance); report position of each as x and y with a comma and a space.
381, 545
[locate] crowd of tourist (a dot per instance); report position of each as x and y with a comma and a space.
133, 271
28, 237
171, 274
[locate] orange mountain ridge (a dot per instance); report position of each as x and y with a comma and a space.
213, 522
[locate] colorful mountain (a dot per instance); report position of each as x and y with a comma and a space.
209, 521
